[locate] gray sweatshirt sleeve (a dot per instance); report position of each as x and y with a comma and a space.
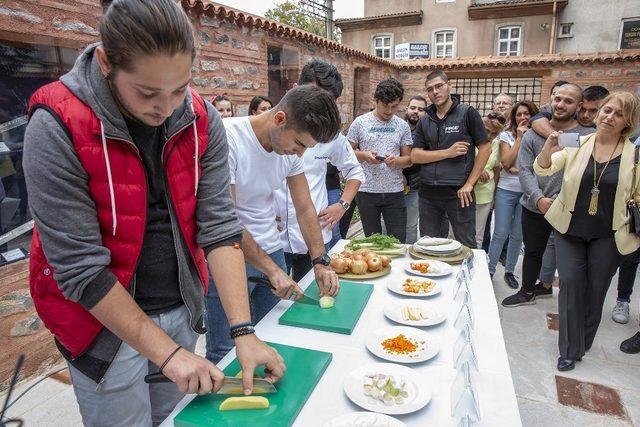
64, 212
216, 215
528, 179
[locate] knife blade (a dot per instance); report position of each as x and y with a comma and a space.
231, 385
305, 299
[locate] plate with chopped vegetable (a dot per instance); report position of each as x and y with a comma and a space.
402, 344
414, 313
428, 268
381, 244
414, 287
364, 419
387, 388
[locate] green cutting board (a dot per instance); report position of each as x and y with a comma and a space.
340, 318
304, 369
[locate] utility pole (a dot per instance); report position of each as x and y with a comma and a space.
329, 20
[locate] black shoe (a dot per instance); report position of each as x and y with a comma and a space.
542, 292
511, 280
519, 298
631, 345
565, 364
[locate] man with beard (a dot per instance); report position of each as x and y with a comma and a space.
539, 192
444, 146
416, 110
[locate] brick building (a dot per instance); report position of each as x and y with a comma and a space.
242, 55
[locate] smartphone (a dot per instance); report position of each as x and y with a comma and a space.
569, 140
382, 158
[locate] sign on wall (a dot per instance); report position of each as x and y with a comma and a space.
630, 38
406, 51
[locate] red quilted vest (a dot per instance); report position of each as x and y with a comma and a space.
73, 326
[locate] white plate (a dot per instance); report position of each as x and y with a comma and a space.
395, 285
428, 350
393, 311
442, 268
417, 387
363, 419
441, 249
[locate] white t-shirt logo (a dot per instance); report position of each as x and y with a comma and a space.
452, 129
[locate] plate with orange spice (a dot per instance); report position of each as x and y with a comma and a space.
429, 268
402, 344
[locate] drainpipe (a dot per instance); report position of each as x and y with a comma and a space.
554, 26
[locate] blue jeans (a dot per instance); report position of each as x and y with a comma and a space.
261, 301
411, 200
334, 197
508, 213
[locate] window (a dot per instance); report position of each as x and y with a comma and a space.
382, 46
445, 1
445, 43
565, 30
480, 92
283, 70
23, 69
509, 40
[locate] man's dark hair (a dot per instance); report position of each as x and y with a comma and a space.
322, 74
417, 98
435, 74
133, 28
389, 90
556, 84
311, 109
595, 93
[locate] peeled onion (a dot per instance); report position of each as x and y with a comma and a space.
385, 260
326, 302
359, 267
338, 265
374, 264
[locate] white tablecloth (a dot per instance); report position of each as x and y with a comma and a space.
498, 405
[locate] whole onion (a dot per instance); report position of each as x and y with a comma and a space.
359, 267
374, 264
338, 265
358, 257
385, 260
347, 253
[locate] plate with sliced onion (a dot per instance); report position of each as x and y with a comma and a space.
412, 287
388, 388
363, 419
414, 313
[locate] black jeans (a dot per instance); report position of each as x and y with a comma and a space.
390, 206
298, 265
585, 268
535, 234
444, 203
345, 221
627, 275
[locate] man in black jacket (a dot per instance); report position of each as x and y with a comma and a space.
445, 144
416, 110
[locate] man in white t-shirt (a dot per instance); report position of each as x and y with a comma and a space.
337, 152
264, 150
383, 145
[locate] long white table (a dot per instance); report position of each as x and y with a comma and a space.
496, 395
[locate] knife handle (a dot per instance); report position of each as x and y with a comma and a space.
156, 378
260, 281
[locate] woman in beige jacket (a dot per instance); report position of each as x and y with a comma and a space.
591, 219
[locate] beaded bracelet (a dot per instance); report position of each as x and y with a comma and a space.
238, 332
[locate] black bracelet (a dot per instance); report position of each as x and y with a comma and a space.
238, 332
240, 325
169, 358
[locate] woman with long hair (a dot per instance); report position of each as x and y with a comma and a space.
259, 104
508, 210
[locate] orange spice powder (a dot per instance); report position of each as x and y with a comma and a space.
399, 345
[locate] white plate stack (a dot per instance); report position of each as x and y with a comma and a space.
436, 246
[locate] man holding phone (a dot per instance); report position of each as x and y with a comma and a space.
382, 142
539, 192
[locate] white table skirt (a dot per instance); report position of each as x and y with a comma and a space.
498, 404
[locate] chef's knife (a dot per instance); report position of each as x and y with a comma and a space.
231, 385
305, 299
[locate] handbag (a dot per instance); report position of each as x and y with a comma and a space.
633, 207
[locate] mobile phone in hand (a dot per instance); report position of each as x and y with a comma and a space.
381, 158
569, 140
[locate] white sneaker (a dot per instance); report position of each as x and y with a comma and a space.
620, 312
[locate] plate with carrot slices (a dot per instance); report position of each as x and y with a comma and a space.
402, 344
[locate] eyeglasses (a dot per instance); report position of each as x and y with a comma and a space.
497, 116
435, 87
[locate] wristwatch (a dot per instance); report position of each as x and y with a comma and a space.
322, 259
345, 205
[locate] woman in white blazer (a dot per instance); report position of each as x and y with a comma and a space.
591, 219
